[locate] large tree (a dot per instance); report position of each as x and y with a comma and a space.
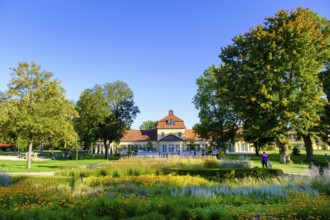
324, 129
36, 107
148, 125
218, 122
106, 112
275, 72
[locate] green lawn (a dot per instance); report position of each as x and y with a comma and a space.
46, 165
299, 164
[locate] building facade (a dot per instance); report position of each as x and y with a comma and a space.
170, 137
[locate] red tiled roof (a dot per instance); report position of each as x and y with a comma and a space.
178, 123
192, 136
6, 145
139, 135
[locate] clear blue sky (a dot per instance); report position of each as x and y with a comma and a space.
158, 47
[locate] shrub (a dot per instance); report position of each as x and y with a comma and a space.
5, 180
296, 150
241, 163
221, 155
221, 174
211, 163
321, 165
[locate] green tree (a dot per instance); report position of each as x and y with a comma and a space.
93, 110
148, 125
275, 69
218, 122
36, 107
324, 129
106, 112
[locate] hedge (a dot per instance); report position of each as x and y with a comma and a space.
219, 174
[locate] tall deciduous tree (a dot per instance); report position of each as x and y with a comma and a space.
218, 122
36, 107
275, 69
106, 112
148, 125
324, 129
93, 110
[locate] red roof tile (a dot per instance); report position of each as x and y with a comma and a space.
139, 135
178, 123
192, 136
6, 145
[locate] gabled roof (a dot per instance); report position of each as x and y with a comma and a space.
178, 123
139, 135
192, 136
171, 137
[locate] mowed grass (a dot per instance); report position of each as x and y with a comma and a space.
47, 165
299, 164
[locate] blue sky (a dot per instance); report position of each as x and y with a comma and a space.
158, 47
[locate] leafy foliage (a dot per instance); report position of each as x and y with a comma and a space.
36, 107
218, 122
148, 125
274, 70
106, 113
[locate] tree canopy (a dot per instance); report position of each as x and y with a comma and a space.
148, 125
35, 107
274, 71
218, 122
106, 112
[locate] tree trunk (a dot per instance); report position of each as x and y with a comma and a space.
256, 146
16, 148
106, 147
309, 148
28, 159
42, 146
284, 150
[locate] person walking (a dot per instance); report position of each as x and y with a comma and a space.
264, 159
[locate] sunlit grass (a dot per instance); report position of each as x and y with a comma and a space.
46, 165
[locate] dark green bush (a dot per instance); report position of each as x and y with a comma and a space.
219, 174
5, 180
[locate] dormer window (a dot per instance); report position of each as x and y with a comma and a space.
170, 122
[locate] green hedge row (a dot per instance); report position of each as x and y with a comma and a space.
220, 174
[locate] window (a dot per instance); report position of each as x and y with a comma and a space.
244, 147
170, 122
164, 148
162, 134
179, 134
